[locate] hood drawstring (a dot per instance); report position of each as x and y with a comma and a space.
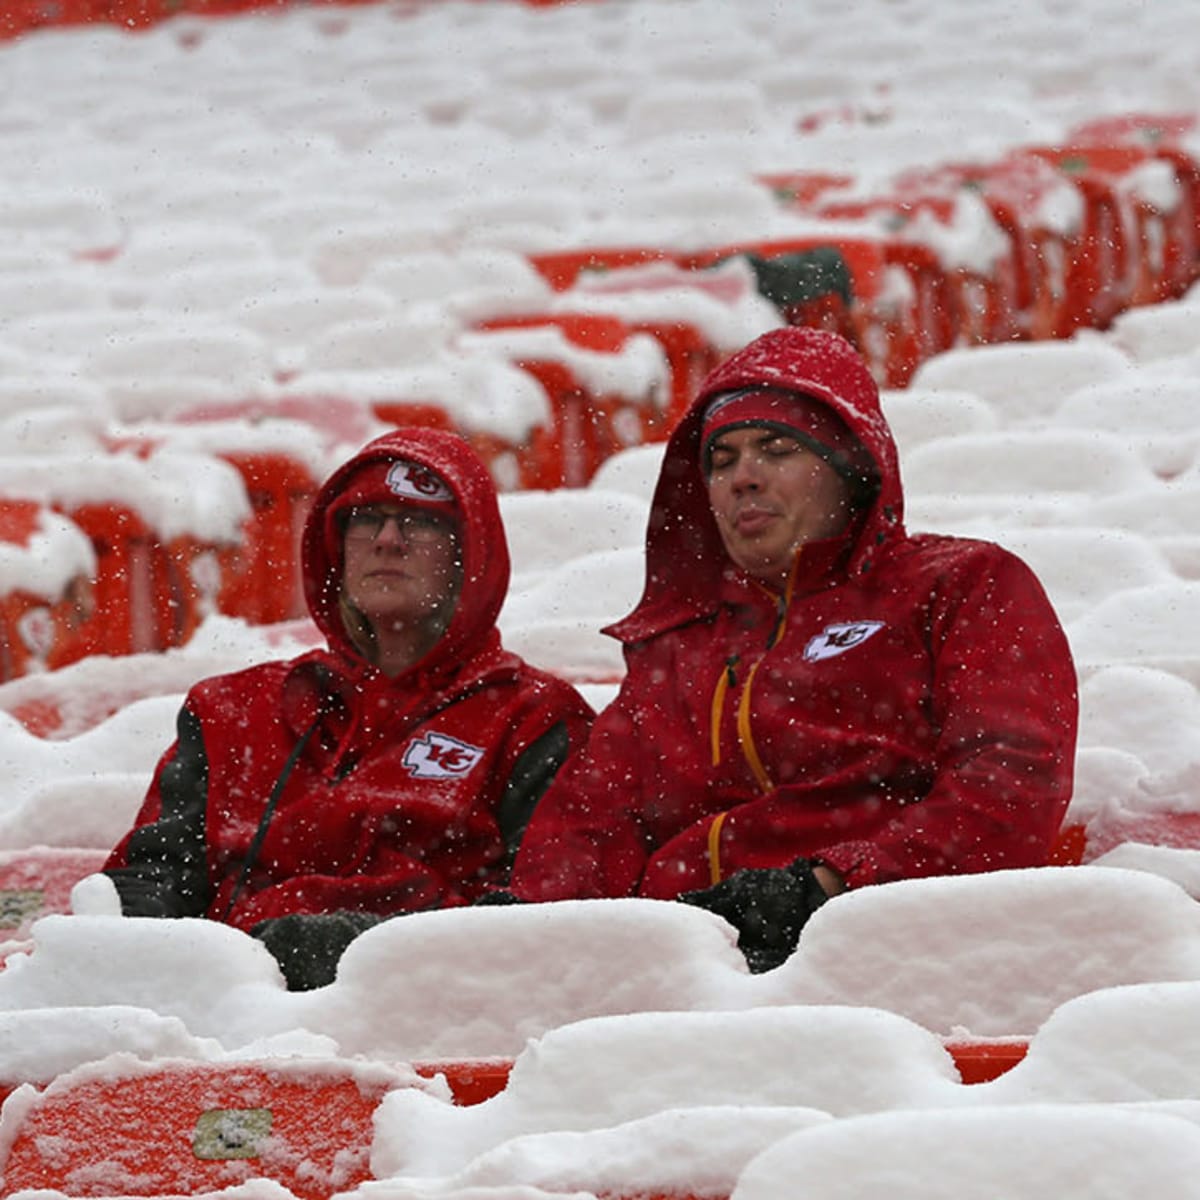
268, 812
746, 735
714, 847
726, 680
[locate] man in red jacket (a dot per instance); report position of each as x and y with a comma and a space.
815, 700
395, 770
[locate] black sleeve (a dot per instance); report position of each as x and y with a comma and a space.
531, 776
166, 871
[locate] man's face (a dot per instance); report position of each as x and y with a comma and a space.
400, 563
771, 494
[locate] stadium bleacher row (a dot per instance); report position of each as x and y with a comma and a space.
666, 1079
24, 16
611, 349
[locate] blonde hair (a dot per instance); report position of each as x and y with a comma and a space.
358, 629
361, 632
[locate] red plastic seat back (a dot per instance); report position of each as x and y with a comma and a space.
39, 881
186, 1127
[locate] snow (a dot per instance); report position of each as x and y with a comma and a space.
1038, 1152
242, 236
56, 553
576, 1077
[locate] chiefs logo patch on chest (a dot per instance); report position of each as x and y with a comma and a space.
440, 756
837, 639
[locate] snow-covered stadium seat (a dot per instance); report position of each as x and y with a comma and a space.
612, 956
1014, 463
1023, 382
600, 586
1158, 331
694, 1151
1161, 619
1080, 566
192, 1125
633, 471
1017, 478
1157, 416
547, 529
1038, 1152
836, 1060
945, 952
1115, 1045
917, 416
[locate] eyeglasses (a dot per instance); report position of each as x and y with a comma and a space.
413, 525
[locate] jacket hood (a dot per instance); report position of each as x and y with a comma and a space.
685, 556
482, 542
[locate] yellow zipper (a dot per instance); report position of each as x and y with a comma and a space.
728, 679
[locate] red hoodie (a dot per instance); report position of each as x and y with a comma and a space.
909, 708
408, 792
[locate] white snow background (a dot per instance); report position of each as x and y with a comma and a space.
323, 199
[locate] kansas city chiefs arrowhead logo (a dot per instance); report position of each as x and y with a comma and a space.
411, 481
439, 756
837, 639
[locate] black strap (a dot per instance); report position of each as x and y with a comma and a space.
265, 820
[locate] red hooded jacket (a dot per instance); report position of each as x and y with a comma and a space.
394, 793
908, 709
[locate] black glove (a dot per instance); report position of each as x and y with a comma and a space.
491, 899
307, 946
767, 906
160, 890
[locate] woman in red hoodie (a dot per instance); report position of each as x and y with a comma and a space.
393, 771
815, 700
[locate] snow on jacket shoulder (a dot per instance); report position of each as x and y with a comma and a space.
392, 794
913, 714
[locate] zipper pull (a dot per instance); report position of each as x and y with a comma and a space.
781, 608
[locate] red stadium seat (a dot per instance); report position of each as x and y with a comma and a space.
142, 14
900, 312
20, 16
588, 426
227, 8
561, 268
1053, 274
804, 189
1139, 129
989, 304
471, 1081
656, 297
1168, 237
1113, 269
1165, 136
690, 356
1069, 849
148, 595
1178, 830
36, 632
183, 1127
38, 881
192, 578
123, 620
262, 582
981, 1062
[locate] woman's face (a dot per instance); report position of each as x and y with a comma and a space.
400, 565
